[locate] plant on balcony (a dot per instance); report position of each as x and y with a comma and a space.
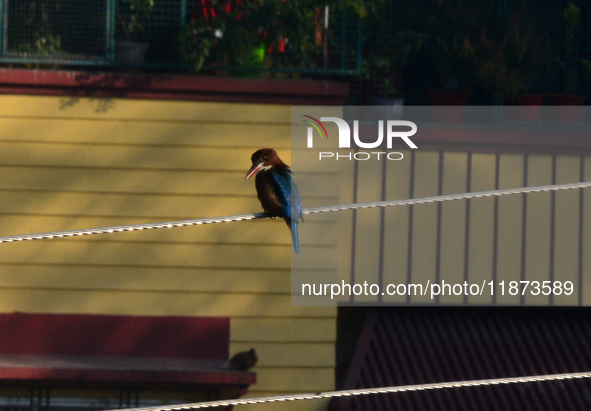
255, 34
44, 43
228, 40
568, 68
384, 64
132, 15
509, 59
455, 31
392, 33
32, 29
478, 47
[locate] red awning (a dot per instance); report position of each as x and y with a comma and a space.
105, 369
117, 349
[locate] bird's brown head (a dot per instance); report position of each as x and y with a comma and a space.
264, 159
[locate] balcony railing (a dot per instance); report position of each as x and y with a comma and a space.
72, 33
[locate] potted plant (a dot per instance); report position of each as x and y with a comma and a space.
454, 73
131, 15
453, 35
509, 57
384, 65
567, 66
44, 44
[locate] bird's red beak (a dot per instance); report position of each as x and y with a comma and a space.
253, 170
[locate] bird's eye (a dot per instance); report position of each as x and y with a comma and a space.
265, 158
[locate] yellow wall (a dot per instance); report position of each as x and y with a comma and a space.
69, 163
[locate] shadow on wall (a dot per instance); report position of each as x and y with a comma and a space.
72, 173
102, 89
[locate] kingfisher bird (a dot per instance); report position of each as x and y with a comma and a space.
277, 191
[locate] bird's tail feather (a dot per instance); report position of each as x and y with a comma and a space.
295, 236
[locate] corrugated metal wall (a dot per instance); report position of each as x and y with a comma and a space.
540, 236
417, 345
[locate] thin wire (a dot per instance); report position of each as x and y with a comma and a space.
316, 210
383, 390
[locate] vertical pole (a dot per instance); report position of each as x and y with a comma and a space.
3, 26
501, 11
183, 15
359, 42
584, 44
183, 23
111, 16
343, 35
325, 40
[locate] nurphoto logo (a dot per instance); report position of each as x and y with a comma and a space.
394, 129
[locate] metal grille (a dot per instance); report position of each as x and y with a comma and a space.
240, 36
161, 30
54, 30
404, 49
250, 36
489, 51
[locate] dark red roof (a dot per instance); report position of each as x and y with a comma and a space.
404, 346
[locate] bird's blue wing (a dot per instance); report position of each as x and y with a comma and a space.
289, 195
